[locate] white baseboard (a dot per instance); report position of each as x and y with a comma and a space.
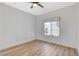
64, 44
11, 44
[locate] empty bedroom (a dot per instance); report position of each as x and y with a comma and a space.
39, 28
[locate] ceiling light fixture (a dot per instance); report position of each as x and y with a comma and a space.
35, 5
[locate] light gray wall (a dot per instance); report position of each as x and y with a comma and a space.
68, 26
78, 29
16, 26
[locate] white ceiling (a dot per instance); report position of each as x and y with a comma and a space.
48, 6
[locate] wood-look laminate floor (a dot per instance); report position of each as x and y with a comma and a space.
38, 48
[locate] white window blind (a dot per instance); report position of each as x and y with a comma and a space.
51, 28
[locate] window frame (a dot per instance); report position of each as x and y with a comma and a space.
51, 20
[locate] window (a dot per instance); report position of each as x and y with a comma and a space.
47, 26
51, 28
